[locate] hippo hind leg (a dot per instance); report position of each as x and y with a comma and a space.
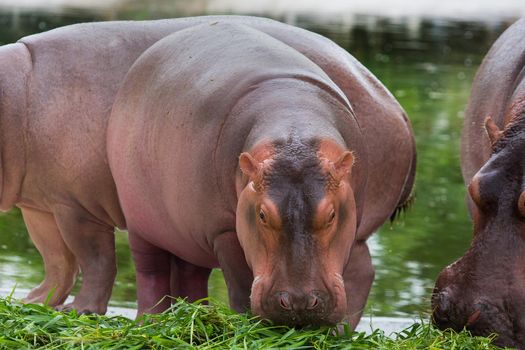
188, 280
93, 244
59, 262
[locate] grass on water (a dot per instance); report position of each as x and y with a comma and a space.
199, 326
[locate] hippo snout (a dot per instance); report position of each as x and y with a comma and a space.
481, 316
299, 308
464, 298
451, 310
444, 311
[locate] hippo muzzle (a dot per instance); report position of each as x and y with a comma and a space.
295, 305
483, 305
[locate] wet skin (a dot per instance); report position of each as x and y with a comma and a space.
484, 290
262, 149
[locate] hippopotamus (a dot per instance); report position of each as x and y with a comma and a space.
262, 149
484, 290
57, 89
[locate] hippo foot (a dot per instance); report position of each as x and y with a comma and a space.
82, 308
44, 294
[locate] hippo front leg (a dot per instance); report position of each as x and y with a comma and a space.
188, 281
161, 275
358, 276
93, 244
59, 262
237, 274
153, 274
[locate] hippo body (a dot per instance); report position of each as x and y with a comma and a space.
485, 289
266, 150
57, 92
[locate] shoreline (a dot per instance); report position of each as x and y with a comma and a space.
368, 323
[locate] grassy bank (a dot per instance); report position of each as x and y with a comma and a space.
188, 326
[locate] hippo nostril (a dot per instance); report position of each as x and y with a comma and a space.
313, 301
284, 300
441, 309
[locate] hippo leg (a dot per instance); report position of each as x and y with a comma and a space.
152, 266
59, 263
358, 276
93, 244
237, 273
188, 280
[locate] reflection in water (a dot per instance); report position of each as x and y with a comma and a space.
428, 65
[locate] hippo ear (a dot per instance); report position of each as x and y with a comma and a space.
249, 166
492, 130
342, 166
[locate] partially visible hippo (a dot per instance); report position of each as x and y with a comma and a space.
56, 92
485, 289
263, 149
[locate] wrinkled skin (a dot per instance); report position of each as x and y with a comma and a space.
260, 148
484, 290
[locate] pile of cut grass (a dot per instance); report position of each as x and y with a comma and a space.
199, 326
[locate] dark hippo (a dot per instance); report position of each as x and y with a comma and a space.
485, 289
263, 149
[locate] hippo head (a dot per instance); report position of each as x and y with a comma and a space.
484, 290
296, 222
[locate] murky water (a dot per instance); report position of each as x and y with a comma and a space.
428, 65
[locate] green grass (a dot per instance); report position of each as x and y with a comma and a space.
198, 326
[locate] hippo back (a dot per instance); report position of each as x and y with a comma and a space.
79, 68
383, 122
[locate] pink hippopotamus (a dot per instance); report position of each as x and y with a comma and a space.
57, 89
265, 150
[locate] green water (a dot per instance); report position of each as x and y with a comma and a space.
429, 68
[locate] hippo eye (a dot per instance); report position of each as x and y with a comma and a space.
262, 217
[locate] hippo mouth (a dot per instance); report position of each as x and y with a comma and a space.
489, 319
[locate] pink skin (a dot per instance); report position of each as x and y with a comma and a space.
333, 243
57, 91
72, 210
174, 153
75, 205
